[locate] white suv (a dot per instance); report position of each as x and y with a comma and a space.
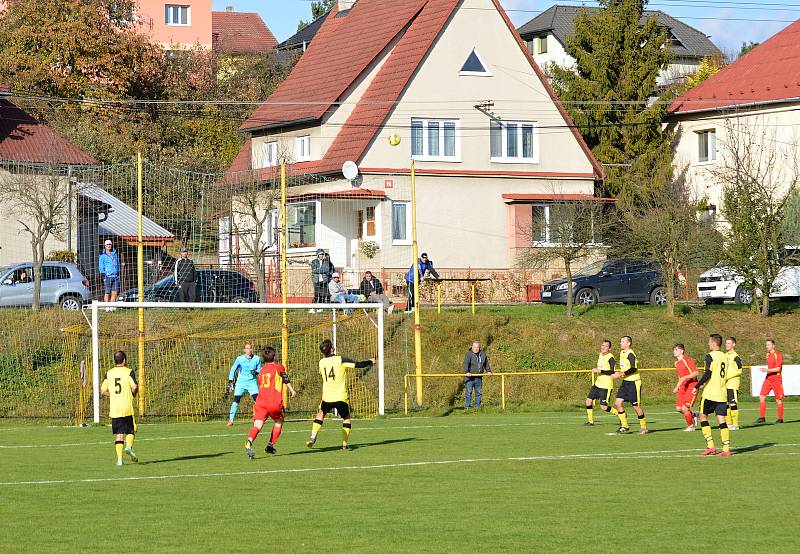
722, 283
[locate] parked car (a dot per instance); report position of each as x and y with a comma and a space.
721, 283
620, 280
213, 285
62, 285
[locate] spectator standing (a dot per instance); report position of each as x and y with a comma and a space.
186, 277
321, 270
339, 292
372, 289
110, 271
475, 365
423, 265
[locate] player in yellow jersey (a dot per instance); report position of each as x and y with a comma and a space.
733, 378
120, 387
630, 390
601, 388
715, 398
333, 370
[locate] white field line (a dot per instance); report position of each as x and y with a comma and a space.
656, 454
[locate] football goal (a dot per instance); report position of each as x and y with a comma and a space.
182, 353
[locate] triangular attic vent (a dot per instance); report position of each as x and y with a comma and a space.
474, 65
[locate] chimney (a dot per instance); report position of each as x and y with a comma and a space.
229, 8
345, 5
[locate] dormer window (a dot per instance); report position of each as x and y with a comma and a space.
474, 65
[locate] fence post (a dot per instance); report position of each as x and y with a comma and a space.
503, 391
438, 298
405, 394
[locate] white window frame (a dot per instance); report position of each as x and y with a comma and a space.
365, 236
484, 73
425, 157
539, 41
504, 143
171, 8
702, 135
407, 240
265, 154
548, 243
302, 148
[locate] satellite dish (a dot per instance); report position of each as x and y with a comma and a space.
350, 170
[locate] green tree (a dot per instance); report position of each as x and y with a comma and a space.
608, 91
746, 47
708, 67
318, 9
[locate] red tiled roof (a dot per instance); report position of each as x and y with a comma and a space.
340, 52
241, 33
25, 139
768, 73
353, 194
3, 88
335, 60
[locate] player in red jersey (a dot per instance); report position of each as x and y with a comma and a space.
686, 368
271, 380
773, 383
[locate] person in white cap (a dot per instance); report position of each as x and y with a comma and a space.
339, 292
109, 268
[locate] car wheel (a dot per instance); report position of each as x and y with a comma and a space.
743, 295
658, 297
586, 297
239, 300
71, 303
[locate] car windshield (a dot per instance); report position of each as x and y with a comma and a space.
589, 270
164, 282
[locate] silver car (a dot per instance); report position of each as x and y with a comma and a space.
62, 284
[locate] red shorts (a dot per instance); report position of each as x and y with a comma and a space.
684, 396
274, 412
773, 383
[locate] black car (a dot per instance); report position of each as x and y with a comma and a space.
213, 285
621, 280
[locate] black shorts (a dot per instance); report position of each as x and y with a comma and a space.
709, 407
596, 393
630, 391
733, 396
341, 407
123, 425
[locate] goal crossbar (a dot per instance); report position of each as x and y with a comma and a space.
97, 306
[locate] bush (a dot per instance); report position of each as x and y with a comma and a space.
61, 256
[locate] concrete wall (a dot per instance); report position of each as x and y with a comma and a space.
198, 32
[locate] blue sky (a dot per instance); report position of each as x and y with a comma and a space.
728, 22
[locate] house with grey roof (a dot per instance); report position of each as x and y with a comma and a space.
299, 41
546, 37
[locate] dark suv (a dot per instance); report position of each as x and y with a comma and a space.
622, 280
213, 285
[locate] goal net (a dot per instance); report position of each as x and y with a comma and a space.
183, 353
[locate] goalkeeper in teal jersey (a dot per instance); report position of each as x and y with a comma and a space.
243, 373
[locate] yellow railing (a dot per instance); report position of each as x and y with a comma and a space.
502, 376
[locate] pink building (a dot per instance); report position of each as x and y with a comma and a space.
177, 23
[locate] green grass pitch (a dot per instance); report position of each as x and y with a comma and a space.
484, 482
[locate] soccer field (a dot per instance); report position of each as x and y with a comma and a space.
475, 482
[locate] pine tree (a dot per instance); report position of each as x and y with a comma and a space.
318, 9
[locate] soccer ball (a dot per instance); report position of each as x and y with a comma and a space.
394, 139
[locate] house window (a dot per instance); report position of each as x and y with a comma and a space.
435, 140
176, 15
514, 142
265, 154
303, 148
541, 44
301, 223
474, 66
706, 146
555, 224
401, 223
365, 224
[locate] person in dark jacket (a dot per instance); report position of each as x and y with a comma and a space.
475, 365
423, 265
321, 271
372, 289
185, 278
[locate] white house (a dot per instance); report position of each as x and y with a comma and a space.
492, 145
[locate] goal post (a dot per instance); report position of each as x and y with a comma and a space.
189, 349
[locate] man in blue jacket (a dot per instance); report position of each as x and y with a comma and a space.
109, 270
423, 265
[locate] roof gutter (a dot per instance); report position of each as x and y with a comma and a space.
757, 104
279, 124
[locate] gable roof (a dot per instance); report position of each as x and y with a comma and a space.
691, 43
421, 22
240, 33
304, 36
769, 73
123, 220
25, 139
